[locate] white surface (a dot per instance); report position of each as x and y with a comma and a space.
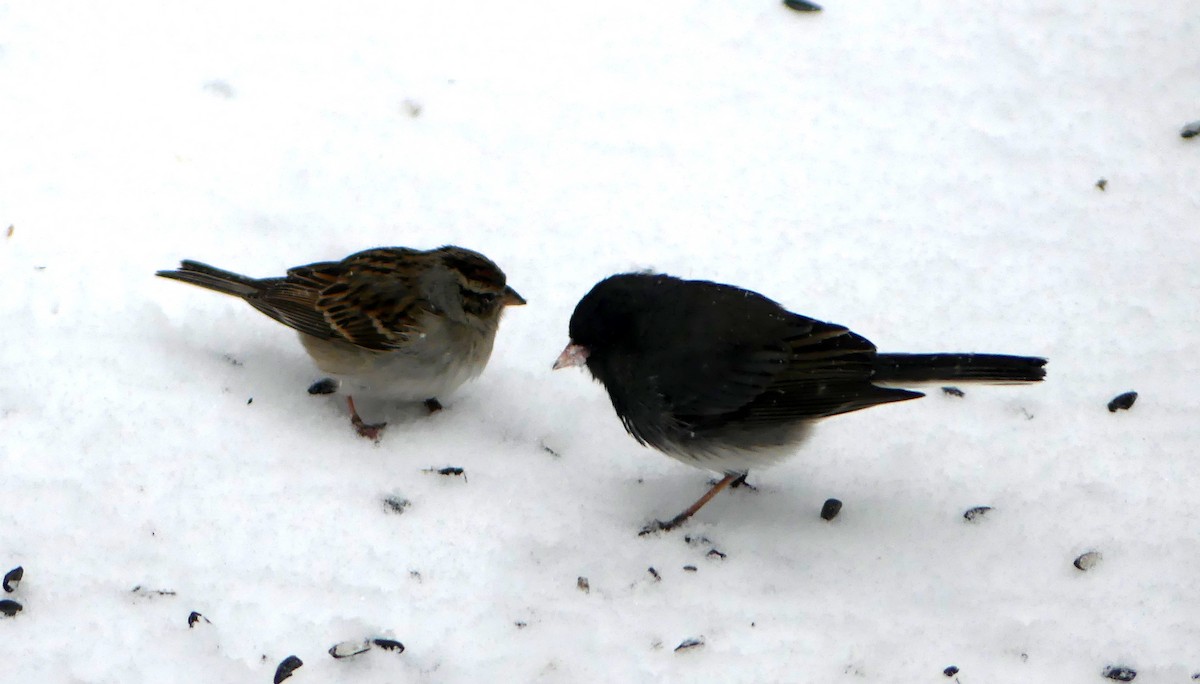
920, 172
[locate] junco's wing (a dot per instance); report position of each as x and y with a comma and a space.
829, 372
739, 356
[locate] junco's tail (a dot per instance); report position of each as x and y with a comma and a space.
904, 369
213, 278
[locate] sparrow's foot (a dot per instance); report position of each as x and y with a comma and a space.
433, 405
324, 386
373, 432
370, 431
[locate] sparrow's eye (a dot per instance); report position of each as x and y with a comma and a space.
478, 302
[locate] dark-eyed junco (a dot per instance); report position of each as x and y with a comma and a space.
392, 322
727, 380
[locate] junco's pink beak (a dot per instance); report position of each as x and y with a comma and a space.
573, 355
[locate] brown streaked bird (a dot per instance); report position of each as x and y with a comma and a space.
391, 323
727, 380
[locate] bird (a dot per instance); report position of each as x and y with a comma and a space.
725, 379
391, 322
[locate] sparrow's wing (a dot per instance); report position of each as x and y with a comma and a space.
291, 301
369, 299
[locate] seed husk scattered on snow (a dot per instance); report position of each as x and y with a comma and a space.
12, 578
1088, 560
1119, 673
9, 608
346, 649
1122, 402
286, 668
151, 593
393, 645
583, 585
448, 470
396, 504
802, 5
324, 386
950, 671
694, 642
953, 392
830, 509
977, 512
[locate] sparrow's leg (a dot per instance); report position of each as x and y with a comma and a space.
369, 431
433, 404
678, 520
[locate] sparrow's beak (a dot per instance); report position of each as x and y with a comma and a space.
511, 298
573, 355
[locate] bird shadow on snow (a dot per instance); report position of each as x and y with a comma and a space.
269, 374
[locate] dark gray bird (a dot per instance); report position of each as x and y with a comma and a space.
727, 380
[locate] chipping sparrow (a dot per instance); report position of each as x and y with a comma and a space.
391, 322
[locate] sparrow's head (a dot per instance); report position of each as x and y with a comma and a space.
481, 283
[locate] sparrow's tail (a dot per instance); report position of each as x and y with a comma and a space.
904, 369
212, 278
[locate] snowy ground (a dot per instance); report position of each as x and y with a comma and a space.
922, 172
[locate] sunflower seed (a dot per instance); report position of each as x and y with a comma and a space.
286, 668
802, 6
12, 578
830, 509
389, 645
1122, 402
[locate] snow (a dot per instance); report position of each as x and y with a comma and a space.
921, 172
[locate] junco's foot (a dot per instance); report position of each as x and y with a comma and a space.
727, 380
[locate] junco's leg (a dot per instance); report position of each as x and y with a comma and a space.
678, 520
